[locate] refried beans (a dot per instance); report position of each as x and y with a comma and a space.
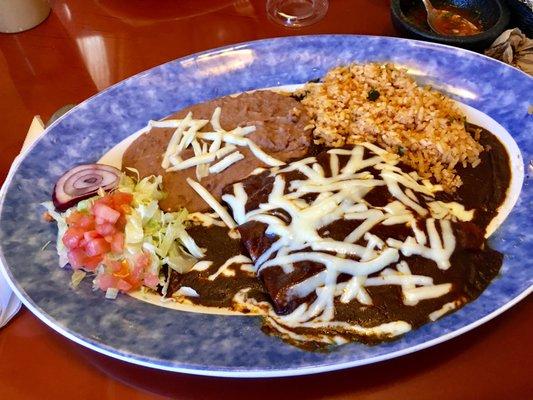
280, 123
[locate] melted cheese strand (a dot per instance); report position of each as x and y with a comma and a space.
396, 191
186, 291
238, 259
213, 203
341, 196
205, 219
335, 246
237, 202
175, 139
201, 265
446, 308
190, 244
439, 251
399, 280
372, 218
426, 292
355, 289
170, 123
224, 151
451, 210
334, 164
340, 265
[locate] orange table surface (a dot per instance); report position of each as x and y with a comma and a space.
84, 47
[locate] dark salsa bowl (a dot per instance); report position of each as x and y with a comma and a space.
492, 17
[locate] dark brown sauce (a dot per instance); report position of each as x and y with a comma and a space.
484, 187
219, 292
474, 264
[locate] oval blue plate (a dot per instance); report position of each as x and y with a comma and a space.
144, 334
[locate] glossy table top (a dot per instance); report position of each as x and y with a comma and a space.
86, 46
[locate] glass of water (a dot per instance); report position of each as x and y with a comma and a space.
296, 13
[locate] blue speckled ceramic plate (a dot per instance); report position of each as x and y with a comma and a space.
144, 334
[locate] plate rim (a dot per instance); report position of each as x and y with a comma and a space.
278, 373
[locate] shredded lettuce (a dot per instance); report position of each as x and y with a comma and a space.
178, 260
144, 191
158, 233
83, 206
77, 277
134, 233
62, 227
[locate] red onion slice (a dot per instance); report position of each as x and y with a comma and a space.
82, 182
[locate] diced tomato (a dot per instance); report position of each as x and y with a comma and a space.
134, 282
92, 262
123, 285
72, 237
123, 269
124, 209
76, 258
135, 276
96, 247
117, 242
90, 235
93, 234
74, 218
81, 220
142, 260
106, 281
87, 221
105, 213
105, 229
121, 223
113, 265
151, 280
107, 200
121, 198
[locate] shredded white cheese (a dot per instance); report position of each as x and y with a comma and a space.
451, 210
186, 291
446, 308
340, 195
238, 259
226, 162
213, 203
187, 134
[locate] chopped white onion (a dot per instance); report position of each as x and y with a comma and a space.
111, 293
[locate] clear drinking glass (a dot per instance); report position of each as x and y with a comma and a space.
296, 13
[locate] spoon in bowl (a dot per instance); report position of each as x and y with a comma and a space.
446, 22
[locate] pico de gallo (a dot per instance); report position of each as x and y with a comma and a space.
122, 238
